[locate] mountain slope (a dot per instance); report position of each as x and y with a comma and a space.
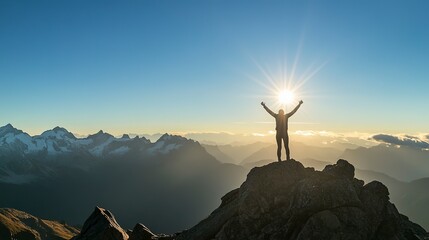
410, 197
18, 225
169, 184
218, 154
403, 163
284, 200
234, 153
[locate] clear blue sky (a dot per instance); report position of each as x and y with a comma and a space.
178, 66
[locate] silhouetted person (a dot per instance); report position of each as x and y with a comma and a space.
281, 128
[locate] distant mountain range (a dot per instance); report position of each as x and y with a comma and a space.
171, 183
401, 162
234, 153
404, 163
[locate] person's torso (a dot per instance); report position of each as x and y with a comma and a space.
281, 123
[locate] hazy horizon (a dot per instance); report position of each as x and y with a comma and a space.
349, 140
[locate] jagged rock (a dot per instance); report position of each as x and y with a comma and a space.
101, 225
141, 232
284, 200
18, 225
341, 169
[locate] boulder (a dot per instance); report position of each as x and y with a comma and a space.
284, 200
101, 225
141, 232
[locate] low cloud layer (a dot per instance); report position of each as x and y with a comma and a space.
407, 141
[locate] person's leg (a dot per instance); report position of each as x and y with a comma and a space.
279, 147
286, 143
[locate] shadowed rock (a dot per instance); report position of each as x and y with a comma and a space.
341, 169
101, 225
141, 232
284, 200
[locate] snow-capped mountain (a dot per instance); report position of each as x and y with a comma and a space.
24, 157
61, 176
60, 141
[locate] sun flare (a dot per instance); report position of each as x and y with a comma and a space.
286, 97
283, 84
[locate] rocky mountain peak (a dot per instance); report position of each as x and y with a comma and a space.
101, 225
100, 136
172, 138
285, 200
58, 128
99, 133
8, 128
141, 232
341, 169
125, 136
58, 133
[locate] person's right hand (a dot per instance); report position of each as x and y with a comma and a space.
301, 102
263, 104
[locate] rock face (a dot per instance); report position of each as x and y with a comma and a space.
284, 200
141, 232
18, 225
101, 225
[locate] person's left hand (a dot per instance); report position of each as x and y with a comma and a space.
301, 102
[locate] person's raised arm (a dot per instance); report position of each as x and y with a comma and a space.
268, 110
295, 109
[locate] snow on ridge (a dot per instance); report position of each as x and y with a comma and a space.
58, 141
38, 145
54, 134
50, 148
162, 147
98, 150
170, 147
156, 146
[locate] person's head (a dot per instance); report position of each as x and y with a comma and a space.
281, 111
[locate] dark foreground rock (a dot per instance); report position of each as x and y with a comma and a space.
285, 200
101, 225
141, 232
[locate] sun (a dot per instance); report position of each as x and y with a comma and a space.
286, 97
284, 86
